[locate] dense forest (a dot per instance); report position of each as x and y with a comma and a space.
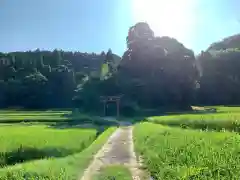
219, 72
154, 72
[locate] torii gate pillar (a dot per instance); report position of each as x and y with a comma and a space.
106, 99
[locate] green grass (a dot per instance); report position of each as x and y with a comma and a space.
175, 153
225, 108
227, 118
114, 172
67, 168
55, 118
16, 116
8, 116
19, 143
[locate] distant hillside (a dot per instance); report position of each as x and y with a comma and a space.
44, 79
219, 72
231, 42
172, 45
84, 62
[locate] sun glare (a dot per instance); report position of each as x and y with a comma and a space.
174, 18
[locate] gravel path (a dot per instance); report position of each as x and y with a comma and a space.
117, 150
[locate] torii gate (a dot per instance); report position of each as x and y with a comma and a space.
106, 99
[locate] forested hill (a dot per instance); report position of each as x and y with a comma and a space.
84, 62
41, 79
231, 42
219, 70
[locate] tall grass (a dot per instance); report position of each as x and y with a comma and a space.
174, 153
67, 168
20, 143
14, 116
225, 118
54, 118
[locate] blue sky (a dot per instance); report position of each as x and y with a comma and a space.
96, 25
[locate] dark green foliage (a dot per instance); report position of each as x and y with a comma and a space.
13, 93
230, 42
154, 73
79, 76
160, 71
35, 88
20, 155
43, 79
23, 154
88, 95
220, 75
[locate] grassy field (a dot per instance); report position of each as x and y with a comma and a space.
20, 143
48, 144
224, 118
52, 117
176, 153
16, 116
115, 172
67, 168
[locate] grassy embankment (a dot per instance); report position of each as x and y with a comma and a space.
224, 118
20, 143
62, 152
179, 153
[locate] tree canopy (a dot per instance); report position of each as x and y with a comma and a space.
220, 75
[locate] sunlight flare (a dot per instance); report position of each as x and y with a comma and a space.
174, 18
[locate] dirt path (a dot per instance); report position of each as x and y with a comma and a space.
117, 150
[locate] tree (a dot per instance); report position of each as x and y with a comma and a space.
35, 89
160, 70
60, 69
231, 42
220, 77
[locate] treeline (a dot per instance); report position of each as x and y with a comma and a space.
159, 72
154, 72
44, 79
219, 73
